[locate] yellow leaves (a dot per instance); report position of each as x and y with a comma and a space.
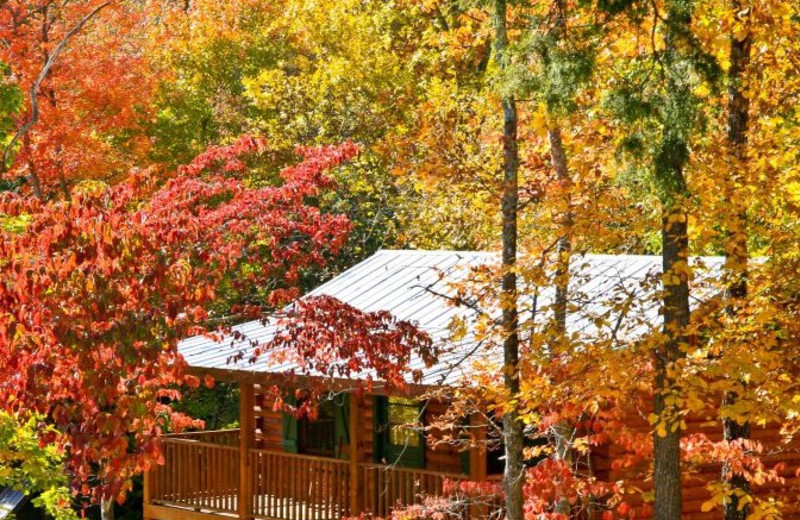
709, 505
702, 90
538, 120
458, 329
14, 224
793, 191
740, 31
669, 279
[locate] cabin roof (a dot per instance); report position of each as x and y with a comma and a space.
609, 294
10, 500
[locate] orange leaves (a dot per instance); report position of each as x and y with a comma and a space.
90, 104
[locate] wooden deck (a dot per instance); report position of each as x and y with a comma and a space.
202, 472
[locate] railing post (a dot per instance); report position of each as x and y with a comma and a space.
246, 434
147, 496
356, 491
477, 461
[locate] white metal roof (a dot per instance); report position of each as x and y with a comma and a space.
10, 500
409, 284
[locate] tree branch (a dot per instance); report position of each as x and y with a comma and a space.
24, 129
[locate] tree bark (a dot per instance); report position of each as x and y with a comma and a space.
666, 447
107, 509
564, 246
736, 247
558, 158
513, 434
32, 176
669, 166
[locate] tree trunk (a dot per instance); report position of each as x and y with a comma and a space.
559, 159
734, 510
563, 430
736, 247
32, 176
666, 444
514, 476
107, 509
669, 172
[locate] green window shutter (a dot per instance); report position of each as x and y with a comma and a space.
341, 415
290, 427
465, 460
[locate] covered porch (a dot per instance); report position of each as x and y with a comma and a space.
240, 474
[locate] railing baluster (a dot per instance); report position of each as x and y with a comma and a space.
217, 472
258, 469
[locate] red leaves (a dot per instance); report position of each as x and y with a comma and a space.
743, 457
552, 481
224, 158
329, 339
96, 292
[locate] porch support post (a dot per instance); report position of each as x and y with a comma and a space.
147, 495
477, 452
356, 489
246, 434
477, 462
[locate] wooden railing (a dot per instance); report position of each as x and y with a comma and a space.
221, 437
387, 487
197, 474
299, 487
202, 471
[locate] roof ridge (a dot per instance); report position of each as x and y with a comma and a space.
489, 252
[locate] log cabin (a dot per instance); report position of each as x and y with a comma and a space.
359, 455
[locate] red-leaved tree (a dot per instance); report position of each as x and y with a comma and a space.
96, 292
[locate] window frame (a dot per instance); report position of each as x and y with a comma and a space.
401, 455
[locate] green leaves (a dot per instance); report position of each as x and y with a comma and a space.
30, 464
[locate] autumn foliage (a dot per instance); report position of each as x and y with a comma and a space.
631, 119
97, 291
333, 341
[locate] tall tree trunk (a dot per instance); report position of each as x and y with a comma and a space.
736, 247
666, 444
514, 476
669, 170
563, 430
558, 158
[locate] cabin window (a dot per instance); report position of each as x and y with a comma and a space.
325, 436
495, 460
318, 437
398, 439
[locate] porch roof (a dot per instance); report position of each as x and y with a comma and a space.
609, 294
